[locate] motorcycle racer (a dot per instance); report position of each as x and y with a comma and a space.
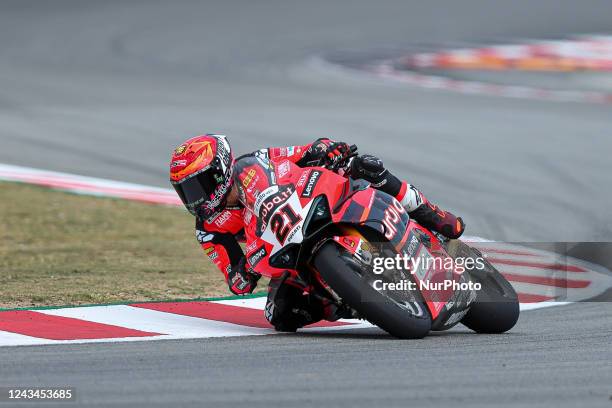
213, 187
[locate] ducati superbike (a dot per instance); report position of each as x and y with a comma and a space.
330, 232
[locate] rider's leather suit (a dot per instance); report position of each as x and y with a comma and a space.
287, 309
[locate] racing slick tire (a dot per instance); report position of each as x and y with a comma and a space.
335, 266
496, 307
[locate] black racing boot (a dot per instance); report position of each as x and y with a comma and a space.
288, 308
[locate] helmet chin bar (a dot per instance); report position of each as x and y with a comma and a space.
210, 209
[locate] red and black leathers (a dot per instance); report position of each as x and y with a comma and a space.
220, 235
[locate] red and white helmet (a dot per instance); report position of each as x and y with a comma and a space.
201, 173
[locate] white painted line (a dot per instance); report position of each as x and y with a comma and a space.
14, 339
89, 185
541, 305
170, 324
252, 303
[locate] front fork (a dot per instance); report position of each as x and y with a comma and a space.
352, 241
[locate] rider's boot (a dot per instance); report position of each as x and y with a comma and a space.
371, 169
288, 308
430, 215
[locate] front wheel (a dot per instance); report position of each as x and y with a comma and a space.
403, 318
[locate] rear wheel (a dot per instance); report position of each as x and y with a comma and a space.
400, 313
496, 307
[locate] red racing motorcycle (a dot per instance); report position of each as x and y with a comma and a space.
356, 247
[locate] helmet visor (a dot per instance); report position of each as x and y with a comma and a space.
196, 190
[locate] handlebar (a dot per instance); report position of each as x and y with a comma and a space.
345, 161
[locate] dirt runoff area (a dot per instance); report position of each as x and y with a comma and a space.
58, 248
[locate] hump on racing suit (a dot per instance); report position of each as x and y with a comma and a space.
220, 235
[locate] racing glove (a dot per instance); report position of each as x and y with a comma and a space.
372, 169
242, 280
336, 151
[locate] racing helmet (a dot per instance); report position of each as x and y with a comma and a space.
201, 173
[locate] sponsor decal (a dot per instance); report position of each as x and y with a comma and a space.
272, 173
203, 236
392, 218
278, 152
313, 178
271, 203
262, 196
253, 185
285, 221
222, 218
178, 163
248, 215
349, 242
292, 233
422, 269
456, 317
257, 256
283, 169
364, 252
251, 247
218, 196
212, 254
413, 245
303, 178
180, 150
255, 192
223, 150
268, 205
261, 154
249, 177
290, 150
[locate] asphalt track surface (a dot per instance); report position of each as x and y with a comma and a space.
544, 361
109, 88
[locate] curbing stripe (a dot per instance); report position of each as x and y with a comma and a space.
173, 326
40, 325
243, 316
586, 53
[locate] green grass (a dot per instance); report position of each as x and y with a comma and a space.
58, 248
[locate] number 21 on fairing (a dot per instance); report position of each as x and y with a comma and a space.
283, 221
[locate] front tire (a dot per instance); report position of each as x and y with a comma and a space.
337, 269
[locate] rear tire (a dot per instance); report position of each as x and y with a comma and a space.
340, 274
489, 317
496, 307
